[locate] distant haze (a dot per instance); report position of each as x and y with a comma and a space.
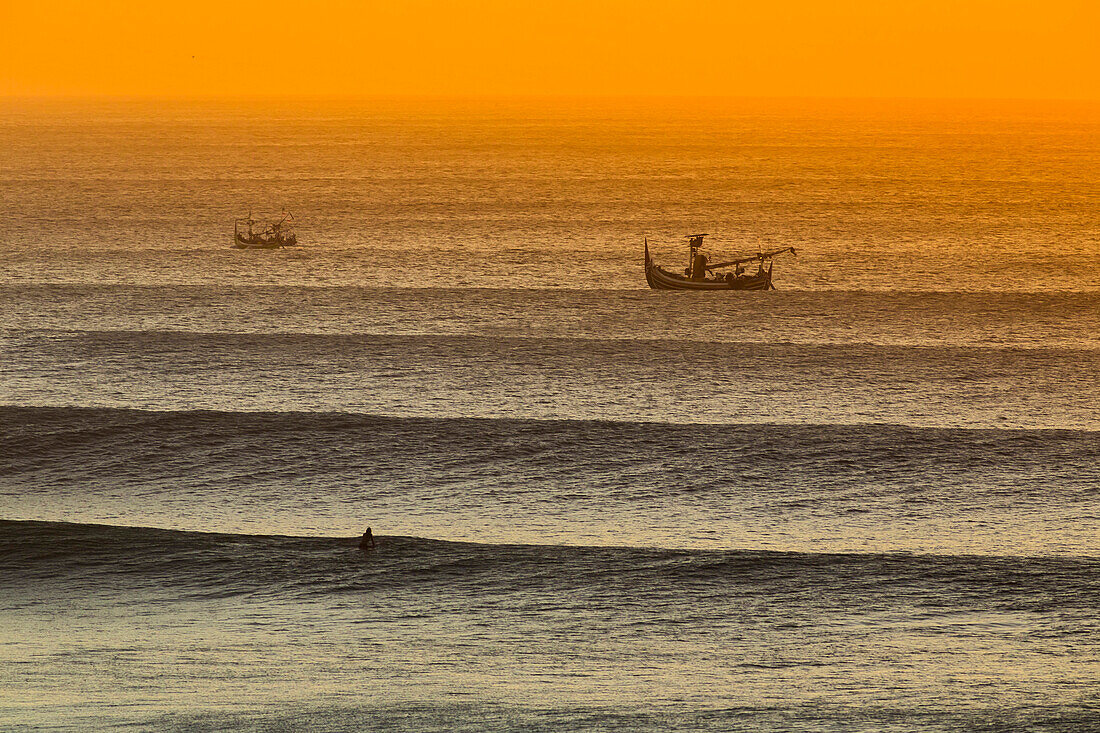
862, 48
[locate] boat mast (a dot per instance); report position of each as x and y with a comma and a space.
695, 241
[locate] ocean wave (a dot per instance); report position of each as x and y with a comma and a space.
577, 482
908, 361
762, 342
563, 378
79, 440
92, 558
994, 319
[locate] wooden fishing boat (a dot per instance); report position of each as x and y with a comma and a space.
274, 236
701, 275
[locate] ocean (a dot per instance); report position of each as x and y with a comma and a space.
866, 501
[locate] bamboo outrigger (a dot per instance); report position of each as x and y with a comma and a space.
695, 276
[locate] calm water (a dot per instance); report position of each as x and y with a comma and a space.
869, 500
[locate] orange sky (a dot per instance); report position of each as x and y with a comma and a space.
864, 48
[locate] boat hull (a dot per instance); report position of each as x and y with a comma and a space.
263, 245
661, 279
275, 237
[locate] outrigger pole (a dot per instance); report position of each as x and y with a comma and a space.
759, 256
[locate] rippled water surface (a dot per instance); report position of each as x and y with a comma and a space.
869, 500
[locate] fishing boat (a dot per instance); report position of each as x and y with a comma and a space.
277, 234
700, 274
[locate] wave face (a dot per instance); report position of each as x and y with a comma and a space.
688, 382
923, 360
627, 636
118, 559
784, 487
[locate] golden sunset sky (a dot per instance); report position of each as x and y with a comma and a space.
865, 48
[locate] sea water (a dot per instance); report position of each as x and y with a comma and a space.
868, 500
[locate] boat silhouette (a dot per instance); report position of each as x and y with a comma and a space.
700, 274
274, 236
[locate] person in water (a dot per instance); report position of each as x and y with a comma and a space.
367, 541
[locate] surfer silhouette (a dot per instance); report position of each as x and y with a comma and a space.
367, 541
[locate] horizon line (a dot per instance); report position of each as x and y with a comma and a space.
527, 96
